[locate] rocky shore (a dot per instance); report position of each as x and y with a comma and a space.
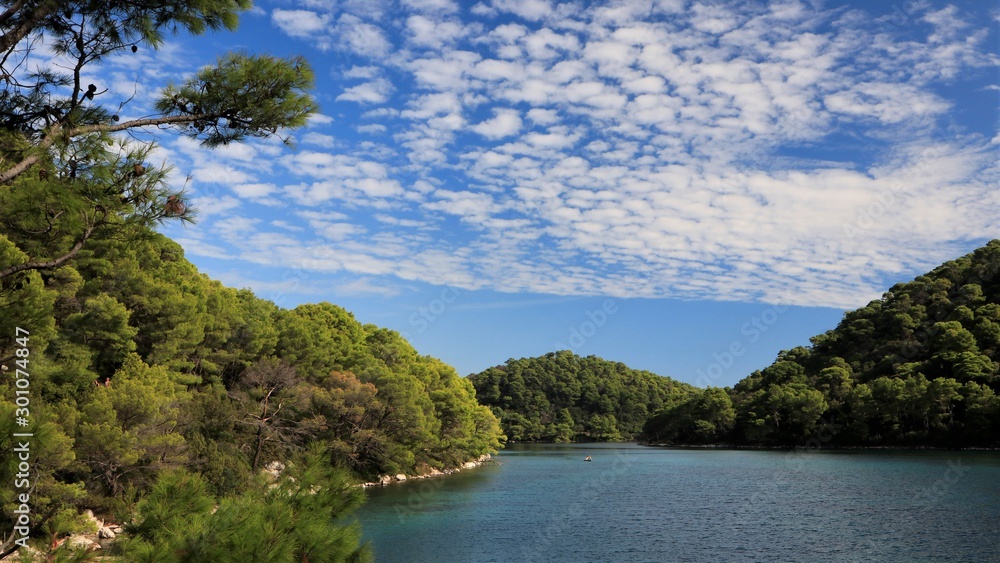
102, 534
385, 480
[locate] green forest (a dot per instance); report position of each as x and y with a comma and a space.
138, 388
918, 367
561, 397
142, 369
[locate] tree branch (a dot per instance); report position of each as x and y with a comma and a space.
50, 138
11, 11
52, 263
6, 550
144, 122
31, 21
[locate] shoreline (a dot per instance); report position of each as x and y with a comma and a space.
749, 447
828, 449
387, 480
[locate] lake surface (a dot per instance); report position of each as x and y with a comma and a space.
632, 503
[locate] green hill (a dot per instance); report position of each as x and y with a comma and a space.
916, 367
133, 384
140, 366
561, 397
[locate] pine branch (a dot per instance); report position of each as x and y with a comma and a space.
52, 263
11, 11
54, 133
32, 20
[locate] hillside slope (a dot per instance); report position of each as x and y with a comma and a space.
916, 367
562, 397
139, 365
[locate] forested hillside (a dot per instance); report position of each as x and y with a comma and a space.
562, 397
135, 386
139, 365
916, 367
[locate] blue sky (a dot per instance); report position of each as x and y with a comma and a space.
489, 177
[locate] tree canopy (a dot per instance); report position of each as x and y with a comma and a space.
64, 176
562, 397
918, 367
141, 366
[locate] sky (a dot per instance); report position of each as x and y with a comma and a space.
687, 187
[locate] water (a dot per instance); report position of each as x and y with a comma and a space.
631, 503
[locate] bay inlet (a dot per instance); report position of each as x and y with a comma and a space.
634, 503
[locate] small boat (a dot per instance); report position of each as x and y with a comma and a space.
588, 458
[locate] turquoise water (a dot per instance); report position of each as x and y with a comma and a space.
544, 503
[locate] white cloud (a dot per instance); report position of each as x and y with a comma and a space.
286, 225
473, 207
505, 123
543, 116
393, 220
197, 247
319, 140
432, 6
360, 37
220, 173
362, 72
529, 9
379, 187
322, 216
482, 9
318, 119
556, 138
367, 286
499, 70
546, 44
889, 103
374, 92
371, 128
236, 228
337, 231
699, 150
273, 290
302, 24
428, 33
713, 19
244, 152
340, 177
254, 191
208, 206
449, 72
